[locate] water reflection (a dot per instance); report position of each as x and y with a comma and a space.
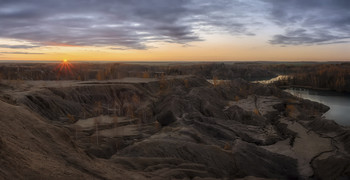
338, 102
278, 78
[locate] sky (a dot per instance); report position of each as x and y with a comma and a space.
175, 30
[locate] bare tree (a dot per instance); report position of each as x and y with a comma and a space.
72, 120
115, 123
97, 123
145, 74
136, 99
215, 81
98, 108
186, 83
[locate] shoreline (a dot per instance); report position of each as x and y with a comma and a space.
312, 88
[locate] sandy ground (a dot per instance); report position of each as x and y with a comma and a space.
263, 103
306, 146
102, 120
109, 127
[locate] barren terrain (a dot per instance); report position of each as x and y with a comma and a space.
180, 127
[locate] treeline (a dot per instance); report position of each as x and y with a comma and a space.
223, 71
76, 71
107, 71
326, 76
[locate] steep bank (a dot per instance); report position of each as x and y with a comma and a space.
32, 148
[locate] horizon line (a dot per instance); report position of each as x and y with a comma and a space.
174, 61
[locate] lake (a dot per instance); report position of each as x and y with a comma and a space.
338, 102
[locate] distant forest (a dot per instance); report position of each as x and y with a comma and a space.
327, 76
317, 76
90, 71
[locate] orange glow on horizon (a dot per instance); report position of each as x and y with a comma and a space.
215, 48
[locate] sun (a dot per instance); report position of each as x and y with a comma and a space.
64, 69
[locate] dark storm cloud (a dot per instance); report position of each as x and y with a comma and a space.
311, 21
127, 23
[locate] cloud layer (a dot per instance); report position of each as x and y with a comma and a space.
311, 21
19, 53
135, 24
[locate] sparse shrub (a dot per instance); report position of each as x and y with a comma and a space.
100, 76
227, 146
117, 107
71, 118
163, 83
115, 123
291, 110
215, 81
136, 99
145, 74
186, 83
83, 114
157, 125
98, 108
130, 111
97, 123
256, 112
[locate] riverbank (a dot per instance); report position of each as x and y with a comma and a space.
306, 87
339, 103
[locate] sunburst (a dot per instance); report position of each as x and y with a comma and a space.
64, 68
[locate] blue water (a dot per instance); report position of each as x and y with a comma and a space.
339, 103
